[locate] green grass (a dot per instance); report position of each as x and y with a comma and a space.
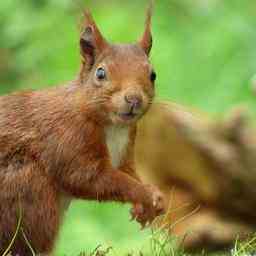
88, 225
204, 54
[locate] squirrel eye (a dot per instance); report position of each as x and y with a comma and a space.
100, 73
153, 76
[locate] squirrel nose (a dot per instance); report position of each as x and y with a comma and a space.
135, 101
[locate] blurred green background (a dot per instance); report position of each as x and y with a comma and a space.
204, 54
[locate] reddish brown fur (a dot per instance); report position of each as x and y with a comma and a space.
53, 144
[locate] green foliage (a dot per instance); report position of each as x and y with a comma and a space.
204, 54
204, 51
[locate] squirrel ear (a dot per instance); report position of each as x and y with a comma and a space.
147, 40
91, 40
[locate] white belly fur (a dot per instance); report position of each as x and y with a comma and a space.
117, 139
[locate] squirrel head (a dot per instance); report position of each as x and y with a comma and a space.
119, 77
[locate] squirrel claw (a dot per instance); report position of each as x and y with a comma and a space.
132, 218
143, 225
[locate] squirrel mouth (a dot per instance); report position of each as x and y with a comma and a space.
127, 116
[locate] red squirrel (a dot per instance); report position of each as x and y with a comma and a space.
76, 141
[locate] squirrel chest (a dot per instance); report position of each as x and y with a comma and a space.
117, 139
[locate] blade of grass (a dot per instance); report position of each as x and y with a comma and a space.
15, 234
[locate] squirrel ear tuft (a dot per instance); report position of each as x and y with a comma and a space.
146, 41
91, 40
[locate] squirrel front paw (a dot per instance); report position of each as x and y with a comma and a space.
146, 212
